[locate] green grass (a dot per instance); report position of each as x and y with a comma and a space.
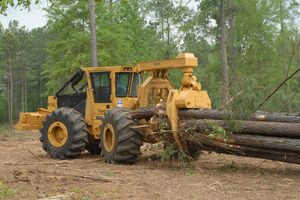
6, 192
87, 198
5, 132
4, 128
108, 172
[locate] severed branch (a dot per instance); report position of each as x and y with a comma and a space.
288, 103
278, 87
34, 155
233, 98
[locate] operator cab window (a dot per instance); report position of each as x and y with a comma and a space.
122, 82
101, 84
135, 82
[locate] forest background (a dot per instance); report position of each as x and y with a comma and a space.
261, 37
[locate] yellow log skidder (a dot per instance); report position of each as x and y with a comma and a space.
97, 116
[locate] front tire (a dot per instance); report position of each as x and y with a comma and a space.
64, 133
119, 143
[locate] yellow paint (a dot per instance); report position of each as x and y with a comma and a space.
52, 103
31, 120
109, 137
172, 112
57, 134
156, 88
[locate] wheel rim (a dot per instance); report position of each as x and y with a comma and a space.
109, 138
57, 134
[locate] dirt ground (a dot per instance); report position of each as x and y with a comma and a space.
27, 173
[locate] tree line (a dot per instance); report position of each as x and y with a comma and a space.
245, 48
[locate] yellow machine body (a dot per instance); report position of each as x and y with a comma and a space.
156, 88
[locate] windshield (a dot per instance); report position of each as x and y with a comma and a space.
135, 82
123, 83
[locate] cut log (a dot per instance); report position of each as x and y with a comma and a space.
273, 136
220, 115
277, 117
259, 153
203, 114
202, 141
251, 127
148, 112
284, 144
143, 113
265, 142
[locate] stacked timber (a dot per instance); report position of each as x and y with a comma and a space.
274, 136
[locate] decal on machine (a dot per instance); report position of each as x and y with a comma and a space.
120, 103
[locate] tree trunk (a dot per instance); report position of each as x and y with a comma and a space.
290, 157
224, 54
232, 48
249, 127
25, 90
274, 143
22, 94
93, 34
41, 87
168, 39
148, 112
10, 93
220, 115
16, 98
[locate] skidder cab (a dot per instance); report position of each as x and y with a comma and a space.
97, 116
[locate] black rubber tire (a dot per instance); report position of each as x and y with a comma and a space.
126, 148
77, 133
93, 147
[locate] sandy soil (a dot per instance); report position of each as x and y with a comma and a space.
27, 173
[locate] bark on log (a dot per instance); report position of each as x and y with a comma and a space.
289, 157
220, 115
148, 112
260, 138
143, 113
277, 117
284, 144
252, 127
203, 142
203, 114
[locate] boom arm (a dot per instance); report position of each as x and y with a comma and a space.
190, 94
186, 60
75, 79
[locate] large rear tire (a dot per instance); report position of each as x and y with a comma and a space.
64, 133
119, 143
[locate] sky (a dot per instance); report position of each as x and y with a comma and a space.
33, 18
30, 19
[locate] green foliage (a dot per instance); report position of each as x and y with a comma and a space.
123, 38
87, 198
21, 55
6, 192
171, 152
4, 128
3, 107
215, 131
265, 39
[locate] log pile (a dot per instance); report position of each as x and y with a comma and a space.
274, 136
